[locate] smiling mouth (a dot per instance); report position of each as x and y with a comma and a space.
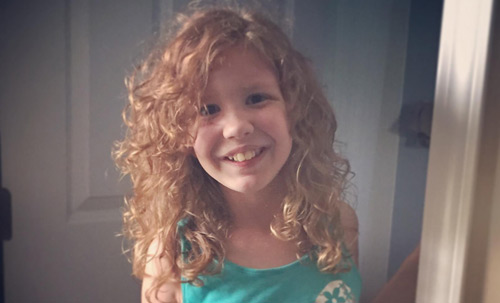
248, 155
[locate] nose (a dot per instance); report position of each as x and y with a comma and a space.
237, 125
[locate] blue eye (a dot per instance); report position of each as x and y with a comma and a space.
209, 109
256, 98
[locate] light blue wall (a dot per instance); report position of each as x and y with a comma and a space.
419, 85
358, 49
318, 33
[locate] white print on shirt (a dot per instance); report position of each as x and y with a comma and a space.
336, 292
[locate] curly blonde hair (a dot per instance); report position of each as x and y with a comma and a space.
170, 186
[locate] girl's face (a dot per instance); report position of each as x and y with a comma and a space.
243, 139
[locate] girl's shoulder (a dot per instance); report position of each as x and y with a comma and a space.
350, 224
156, 266
348, 216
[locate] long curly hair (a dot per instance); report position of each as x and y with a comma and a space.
169, 184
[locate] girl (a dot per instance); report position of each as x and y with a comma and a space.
237, 189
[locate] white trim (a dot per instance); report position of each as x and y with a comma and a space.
81, 205
289, 17
78, 105
166, 14
454, 149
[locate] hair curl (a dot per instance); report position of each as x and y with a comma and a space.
169, 184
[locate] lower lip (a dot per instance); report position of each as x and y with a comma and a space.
248, 163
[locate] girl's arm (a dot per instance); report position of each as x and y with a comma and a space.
168, 292
402, 287
349, 221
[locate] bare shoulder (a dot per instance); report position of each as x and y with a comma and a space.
350, 224
157, 264
348, 216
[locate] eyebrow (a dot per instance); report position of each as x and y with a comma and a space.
261, 83
267, 83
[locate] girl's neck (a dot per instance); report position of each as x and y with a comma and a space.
250, 242
255, 210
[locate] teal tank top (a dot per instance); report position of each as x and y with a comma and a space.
297, 282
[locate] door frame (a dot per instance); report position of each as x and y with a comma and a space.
455, 150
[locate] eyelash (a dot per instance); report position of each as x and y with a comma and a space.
262, 98
209, 109
212, 109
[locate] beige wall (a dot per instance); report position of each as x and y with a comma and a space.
483, 263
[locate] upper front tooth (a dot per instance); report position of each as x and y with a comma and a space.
249, 154
239, 157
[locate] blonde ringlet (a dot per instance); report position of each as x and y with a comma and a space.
169, 185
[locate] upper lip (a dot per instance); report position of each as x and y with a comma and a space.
241, 149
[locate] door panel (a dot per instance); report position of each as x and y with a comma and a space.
62, 93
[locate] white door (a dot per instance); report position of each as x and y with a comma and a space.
62, 65
61, 91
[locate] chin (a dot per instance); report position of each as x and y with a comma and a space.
245, 187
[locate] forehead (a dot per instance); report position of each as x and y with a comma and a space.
242, 63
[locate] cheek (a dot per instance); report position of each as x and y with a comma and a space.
203, 143
198, 143
277, 123
198, 146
